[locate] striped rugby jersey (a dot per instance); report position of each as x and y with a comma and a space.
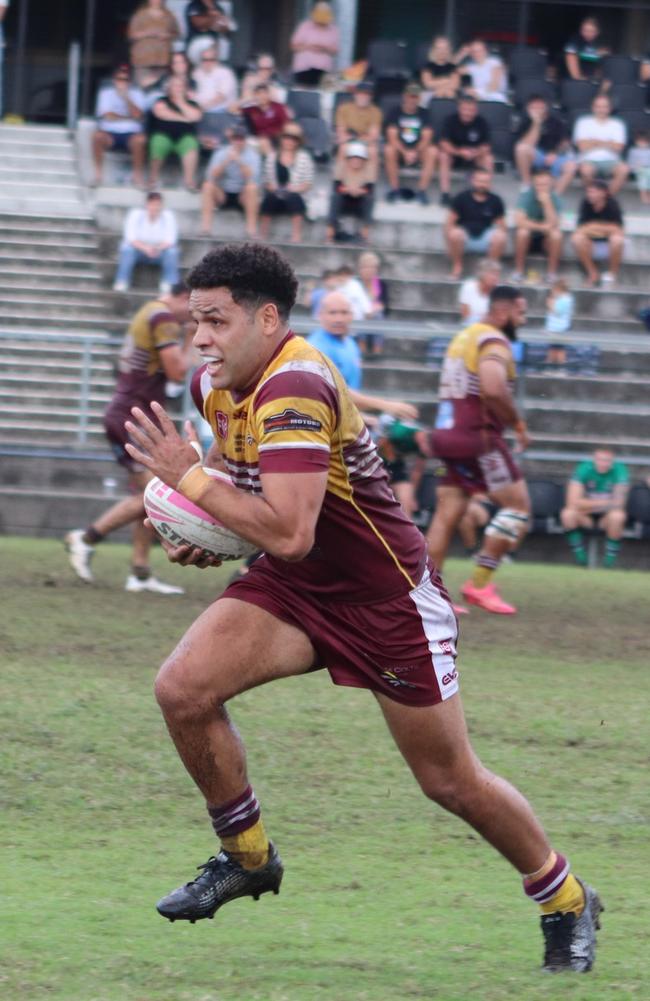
299, 418
459, 392
141, 377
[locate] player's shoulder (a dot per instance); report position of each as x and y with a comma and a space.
298, 369
481, 334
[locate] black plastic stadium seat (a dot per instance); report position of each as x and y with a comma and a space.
502, 143
439, 109
621, 69
577, 94
527, 62
497, 114
529, 86
547, 500
636, 120
318, 138
388, 103
387, 57
420, 56
628, 97
304, 103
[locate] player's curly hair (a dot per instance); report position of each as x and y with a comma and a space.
253, 273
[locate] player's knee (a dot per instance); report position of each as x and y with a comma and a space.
508, 524
568, 518
179, 698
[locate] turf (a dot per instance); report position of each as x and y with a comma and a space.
384, 897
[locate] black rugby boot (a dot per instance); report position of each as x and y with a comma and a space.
569, 941
221, 880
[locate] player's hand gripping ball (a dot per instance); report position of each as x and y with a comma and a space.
182, 523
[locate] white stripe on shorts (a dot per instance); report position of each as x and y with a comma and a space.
441, 630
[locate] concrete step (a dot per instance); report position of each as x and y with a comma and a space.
61, 304
68, 268
75, 470
56, 175
571, 418
18, 397
52, 513
55, 282
18, 222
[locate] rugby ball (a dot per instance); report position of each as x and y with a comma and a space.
179, 521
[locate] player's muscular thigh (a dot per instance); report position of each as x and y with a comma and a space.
232, 646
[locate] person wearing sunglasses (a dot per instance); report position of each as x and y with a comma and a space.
215, 85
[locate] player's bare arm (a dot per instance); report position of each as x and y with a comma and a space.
281, 522
496, 393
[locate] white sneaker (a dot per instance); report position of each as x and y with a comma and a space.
134, 583
607, 278
120, 287
164, 288
79, 554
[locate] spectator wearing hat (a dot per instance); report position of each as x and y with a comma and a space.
439, 76
464, 143
599, 235
353, 190
288, 176
119, 113
232, 180
265, 118
409, 143
542, 143
360, 119
315, 44
208, 23
150, 236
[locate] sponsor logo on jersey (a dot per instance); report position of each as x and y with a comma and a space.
449, 677
291, 420
447, 647
222, 424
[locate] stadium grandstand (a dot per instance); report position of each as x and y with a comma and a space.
63, 208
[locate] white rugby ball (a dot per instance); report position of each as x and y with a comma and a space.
179, 521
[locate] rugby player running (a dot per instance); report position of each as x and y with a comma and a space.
345, 583
475, 406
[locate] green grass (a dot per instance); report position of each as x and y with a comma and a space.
385, 897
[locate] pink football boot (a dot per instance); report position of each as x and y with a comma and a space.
486, 597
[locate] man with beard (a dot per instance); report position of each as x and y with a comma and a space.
476, 405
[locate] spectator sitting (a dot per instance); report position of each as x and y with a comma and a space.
439, 76
537, 223
264, 72
173, 129
288, 175
464, 142
584, 52
329, 281
119, 112
476, 222
315, 44
150, 235
599, 234
409, 143
266, 119
208, 23
596, 496
600, 139
333, 337
151, 32
352, 193
487, 74
542, 143
377, 292
360, 119
232, 180
559, 317
215, 86
474, 295
638, 160
353, 290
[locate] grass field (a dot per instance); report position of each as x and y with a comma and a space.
385, 897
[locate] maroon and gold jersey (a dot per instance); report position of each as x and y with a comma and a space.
460, 403
141, 377
299, 418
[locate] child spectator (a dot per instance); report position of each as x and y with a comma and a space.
559, 317
329, 281
638, 160
352, 193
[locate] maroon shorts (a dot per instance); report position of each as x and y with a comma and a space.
488, 467
403, 646
117, 435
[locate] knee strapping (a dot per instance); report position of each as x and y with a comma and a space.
508, 524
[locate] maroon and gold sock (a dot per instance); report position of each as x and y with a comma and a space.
238, 826
555, 888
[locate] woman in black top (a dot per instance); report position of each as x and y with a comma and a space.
172, 129
440, 76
